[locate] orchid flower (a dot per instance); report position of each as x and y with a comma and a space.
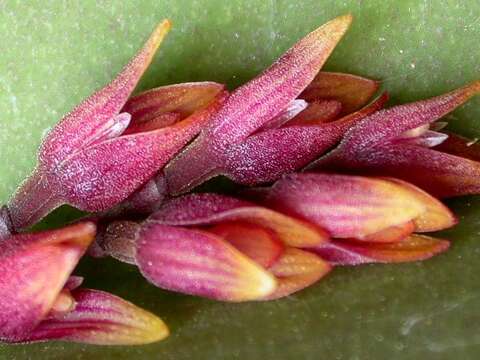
272, 151
97, 156
159, 108
253, 107
369, 219
40, 300
398, 142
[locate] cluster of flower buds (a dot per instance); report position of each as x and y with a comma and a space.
283, 240
339, 181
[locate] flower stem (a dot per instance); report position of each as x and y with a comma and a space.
32, 201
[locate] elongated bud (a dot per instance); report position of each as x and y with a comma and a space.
199, 263
102, 319
346, 206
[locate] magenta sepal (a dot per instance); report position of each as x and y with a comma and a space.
396, 142
83, 161
266, 156
253, 105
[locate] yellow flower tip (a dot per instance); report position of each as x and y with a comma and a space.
115, 322
160, 32
402, 205
63, 304
472, 89
126, 323
340, 24
253, 282
347, 18
436, 215
296, 270
332, 31
153, 43
154, 330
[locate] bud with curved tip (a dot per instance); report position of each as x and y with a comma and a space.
352, 91
413, 248
436, 216
390, 124
39, 301
114, 159
253, 105
215, 258
189, 261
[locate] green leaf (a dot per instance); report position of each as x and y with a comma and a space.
55, 53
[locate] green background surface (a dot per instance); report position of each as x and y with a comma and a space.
55, 53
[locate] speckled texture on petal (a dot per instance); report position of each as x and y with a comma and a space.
386, 125
266, 156
91, 122
438, 173
254, 104
80, 127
